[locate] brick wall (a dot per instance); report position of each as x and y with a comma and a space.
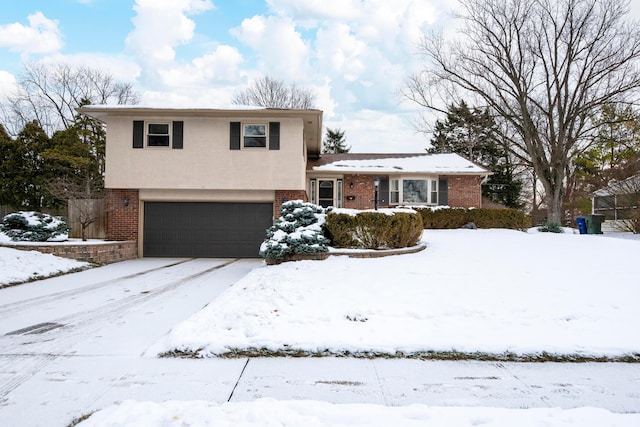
361, 191
99, 253
464, 191
122, 214
286, 195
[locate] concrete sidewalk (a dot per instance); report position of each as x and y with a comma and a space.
70, 387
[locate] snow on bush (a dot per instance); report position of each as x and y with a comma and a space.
34, 227
297, 231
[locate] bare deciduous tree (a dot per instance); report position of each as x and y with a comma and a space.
271, 93
50, 94
86, 201
545, 67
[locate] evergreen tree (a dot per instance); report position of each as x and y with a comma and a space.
7, 167
614, 153
473, 133
24, 171
335, 142
77, 153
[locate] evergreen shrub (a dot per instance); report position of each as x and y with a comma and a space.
34, 227
297, 231
448, 218
551, 227
373, 229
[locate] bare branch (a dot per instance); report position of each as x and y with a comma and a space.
271, 93
51, 93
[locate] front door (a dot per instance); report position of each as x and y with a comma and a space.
325, 193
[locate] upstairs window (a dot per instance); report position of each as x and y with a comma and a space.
254, 135
158, 134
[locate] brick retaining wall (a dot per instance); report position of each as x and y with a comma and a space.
98, 253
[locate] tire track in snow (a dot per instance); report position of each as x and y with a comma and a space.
56, 342
17, 306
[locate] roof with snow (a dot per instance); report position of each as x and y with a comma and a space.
441, 164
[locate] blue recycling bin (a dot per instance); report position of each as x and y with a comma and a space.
582, 224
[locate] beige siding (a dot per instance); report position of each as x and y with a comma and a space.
207, 196
205, 162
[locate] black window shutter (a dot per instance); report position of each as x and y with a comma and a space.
138, 134
177, 134
274, 135
443, 191
383, 194
234, 136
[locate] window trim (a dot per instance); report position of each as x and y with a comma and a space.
147, 133
243, 146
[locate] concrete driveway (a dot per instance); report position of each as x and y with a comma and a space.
75, 344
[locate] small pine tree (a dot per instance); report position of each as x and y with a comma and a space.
335, 142
33, 226
297, 231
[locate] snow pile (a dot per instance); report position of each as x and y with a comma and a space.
490, 291
269, 412
17, 266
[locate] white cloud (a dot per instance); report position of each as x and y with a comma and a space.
161, 25
190, 97
370, 131
40, 36
280, 49
119, 67
313, 10
218, 67
8, 84
340, 51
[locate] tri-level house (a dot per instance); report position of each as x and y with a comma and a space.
209, 182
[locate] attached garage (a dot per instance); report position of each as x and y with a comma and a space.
205, 229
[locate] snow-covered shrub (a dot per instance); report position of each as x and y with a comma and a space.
297, 231
34, 227
382, 229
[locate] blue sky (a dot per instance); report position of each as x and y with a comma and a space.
354, 54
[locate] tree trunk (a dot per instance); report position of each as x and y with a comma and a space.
554, 205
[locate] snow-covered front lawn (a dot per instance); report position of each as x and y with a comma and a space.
502, 293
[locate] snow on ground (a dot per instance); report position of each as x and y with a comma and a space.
470, 290
17, 266
268, 412
490, 291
